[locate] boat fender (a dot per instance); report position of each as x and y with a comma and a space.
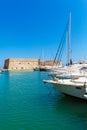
85, 87
84, 84
55, 79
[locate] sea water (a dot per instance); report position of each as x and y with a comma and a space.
26, 103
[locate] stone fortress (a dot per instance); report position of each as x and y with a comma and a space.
21, 64
26, 63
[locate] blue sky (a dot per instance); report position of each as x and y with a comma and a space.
29, 26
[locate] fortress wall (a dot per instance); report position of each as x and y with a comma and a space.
51, 63
27, 64
20, 64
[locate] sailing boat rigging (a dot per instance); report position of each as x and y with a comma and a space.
42, 66
66, 34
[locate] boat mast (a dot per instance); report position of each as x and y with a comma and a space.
69, 41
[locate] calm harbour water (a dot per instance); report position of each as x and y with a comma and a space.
26, 103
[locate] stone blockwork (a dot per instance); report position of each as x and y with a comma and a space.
21, 64
27, 64
52, 62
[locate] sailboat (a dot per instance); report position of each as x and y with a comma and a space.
76, 83
41, 65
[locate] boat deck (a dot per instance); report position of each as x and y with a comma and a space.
72, 82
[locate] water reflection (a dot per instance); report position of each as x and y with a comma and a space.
74, 110
25, 99
4, 82
71, 105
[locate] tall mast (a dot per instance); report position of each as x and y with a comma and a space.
69, 40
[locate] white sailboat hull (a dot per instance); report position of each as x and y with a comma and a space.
73, 89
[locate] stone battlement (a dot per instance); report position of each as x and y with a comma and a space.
22, 60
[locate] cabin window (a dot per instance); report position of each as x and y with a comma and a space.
22, 68
19, 63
